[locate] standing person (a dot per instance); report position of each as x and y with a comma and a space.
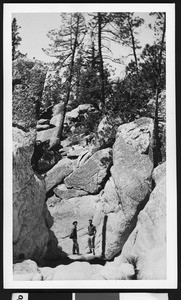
91, 237
73, 236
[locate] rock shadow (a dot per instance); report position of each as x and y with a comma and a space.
104, 235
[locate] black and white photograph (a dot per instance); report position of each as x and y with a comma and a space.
89, 150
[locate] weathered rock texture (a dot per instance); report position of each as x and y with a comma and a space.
65, 212
64, 193
28, 77
138, 134
111, 272
27, 270
56, 175
146, 246
91, 175
128, 188
30, 232
32, 237
47, 135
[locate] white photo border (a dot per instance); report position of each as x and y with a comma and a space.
171, 281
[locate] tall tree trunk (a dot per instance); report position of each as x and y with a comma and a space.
92, 52
69, 80
77, 92
133, 42
101, 61
157, 145
13, 50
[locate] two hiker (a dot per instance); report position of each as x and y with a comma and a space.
91, 238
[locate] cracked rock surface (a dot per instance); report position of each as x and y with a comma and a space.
90, 176
31, 220
127, 190
147, 243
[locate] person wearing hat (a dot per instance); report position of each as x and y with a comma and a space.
91, 237
73, 236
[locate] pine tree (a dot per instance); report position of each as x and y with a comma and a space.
16, 39
161, 23
65, 44
123, 29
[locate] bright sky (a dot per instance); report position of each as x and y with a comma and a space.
34, 27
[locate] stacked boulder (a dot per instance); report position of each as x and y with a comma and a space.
32, 237
77, 189
121, 180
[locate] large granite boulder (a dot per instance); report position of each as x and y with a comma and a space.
146, 246
55, 120
32, 237
111, 272
47, 135
65, 212
82, 270
74, 271
31, 221
26, 271
127, 190
56, 175
28, 221
91, 175
63, 192
106, 131
138, 134
81, 109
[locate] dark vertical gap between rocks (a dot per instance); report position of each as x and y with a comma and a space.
104, 235
133, 223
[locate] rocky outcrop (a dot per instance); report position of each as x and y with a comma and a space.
75, 151
63, 192
111, 272
76, 112
77, 270
138, 134
65, 212
106, 131
26, 271
46, 135
125, 193
91, 175
31, 232
28, 77
40, 127
55, 120
146, 246
159, 173
56, 175
32, 237
128, 188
